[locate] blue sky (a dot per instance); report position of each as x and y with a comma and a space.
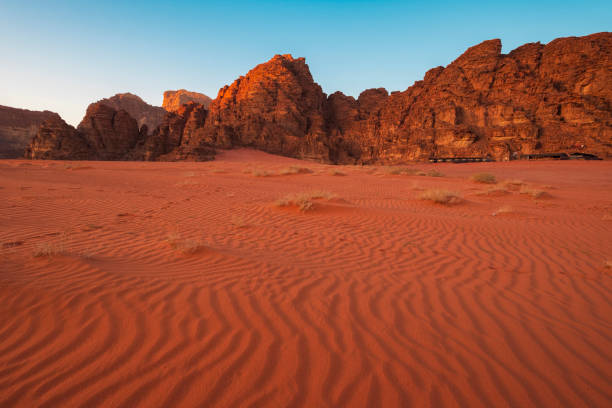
63, 55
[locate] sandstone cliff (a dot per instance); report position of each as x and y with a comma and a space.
173, 100
536, 99
18, 127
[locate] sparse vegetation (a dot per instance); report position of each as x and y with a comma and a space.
534, 192
51, 248
186, 246
239, 222
494, 191
506, 209
485, 178
512, 185
441, 197
294, 170
304, 201
335, 172
262, 173
434, 173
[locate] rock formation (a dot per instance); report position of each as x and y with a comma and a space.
276, 107
145, 114
536, 99
18, 127
173, 100
57, 140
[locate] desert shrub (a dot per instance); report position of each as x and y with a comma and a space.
186, 246
434, 173
262, 173
335, 172
534, 192
440, 196
304, 201
294, 170
506, 209
486, 178
51, 248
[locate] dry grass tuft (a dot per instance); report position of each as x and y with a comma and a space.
335, 172
186, 246
294, 170
239, 222
512, 185
486, 178
434, 173
263, 173
304, 201
52, 248
441, 197
506, 209
534, 192
494, 191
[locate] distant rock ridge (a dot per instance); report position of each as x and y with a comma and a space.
173, 100
536, 99
18, 127
145, 114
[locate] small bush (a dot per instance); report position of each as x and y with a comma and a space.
52, 248
534, 192
262, 173
186, 246
304, 201
486, 178
440, 197
506, 209
434, 173
294, 170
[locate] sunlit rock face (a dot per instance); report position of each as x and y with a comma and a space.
536, 99
275, 107
173, 100
17, 128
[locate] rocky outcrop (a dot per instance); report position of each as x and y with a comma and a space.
17, 128
57, 140
111, 134
173, 100
536, 99
179, 136
275, 107
145, 114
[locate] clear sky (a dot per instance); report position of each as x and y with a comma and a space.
63, 55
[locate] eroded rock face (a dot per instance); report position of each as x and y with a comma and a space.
173, 100
145, 114
275, 107
57, 140
536, 99
111, 134
17, 128
179, 137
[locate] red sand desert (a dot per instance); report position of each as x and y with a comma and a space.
184, 284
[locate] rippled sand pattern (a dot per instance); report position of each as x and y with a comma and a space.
374, 298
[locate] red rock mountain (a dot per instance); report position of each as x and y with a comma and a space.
536, 99
18, 127
145, 114
173, 100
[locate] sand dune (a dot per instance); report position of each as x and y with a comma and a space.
183, 284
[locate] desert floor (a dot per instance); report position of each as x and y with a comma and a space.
184, 284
